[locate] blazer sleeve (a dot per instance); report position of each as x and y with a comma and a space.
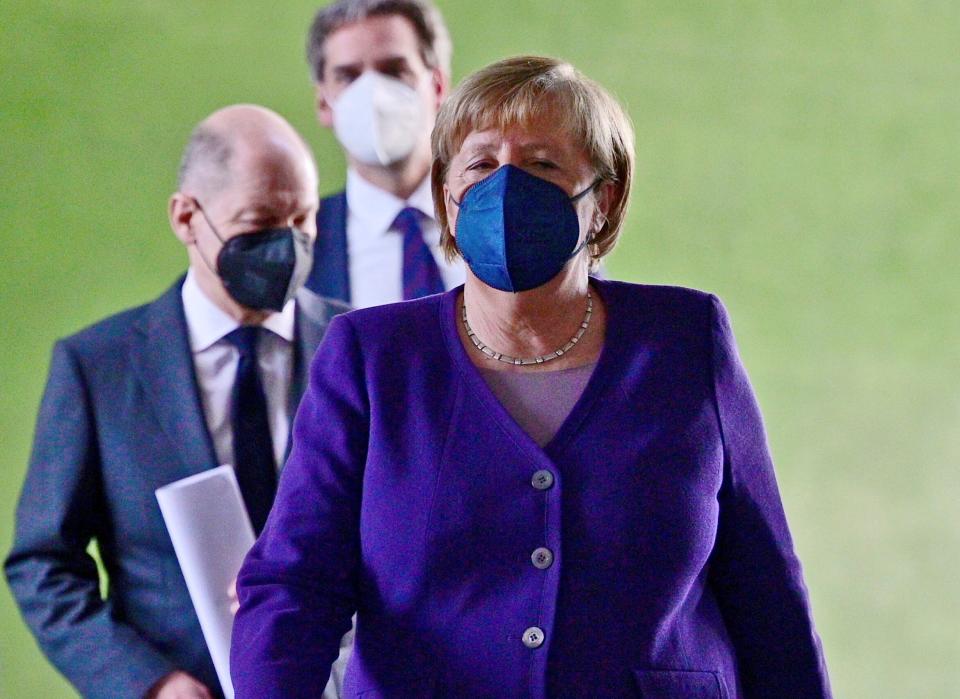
53, 578
755, 573
297, 586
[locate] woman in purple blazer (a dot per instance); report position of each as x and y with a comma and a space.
540, 484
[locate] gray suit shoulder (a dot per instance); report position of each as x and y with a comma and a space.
104, 337
319, 308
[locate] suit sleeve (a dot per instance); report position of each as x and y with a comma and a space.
53, 578
297, 586
755, 572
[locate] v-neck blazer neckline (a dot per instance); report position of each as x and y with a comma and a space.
603, 375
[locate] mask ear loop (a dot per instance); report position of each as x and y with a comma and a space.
577, 197
590, 187
206, 218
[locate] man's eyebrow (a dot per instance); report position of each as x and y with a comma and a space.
257, 210
392, 62
346, 68
254, 210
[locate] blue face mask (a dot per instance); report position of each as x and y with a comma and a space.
517, 231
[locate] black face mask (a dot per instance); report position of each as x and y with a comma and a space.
263, 269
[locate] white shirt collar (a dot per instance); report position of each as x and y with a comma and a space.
207, 323
375, 209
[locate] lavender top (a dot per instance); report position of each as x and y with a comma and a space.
539, 401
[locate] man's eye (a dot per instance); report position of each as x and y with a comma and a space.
253, 224
344, 77
398, 69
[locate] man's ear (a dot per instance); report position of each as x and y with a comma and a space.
181, 209
441, 86
322, 106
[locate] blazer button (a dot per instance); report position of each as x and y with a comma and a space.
542, 479
542, 558
533, 637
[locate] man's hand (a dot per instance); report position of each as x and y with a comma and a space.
179, 685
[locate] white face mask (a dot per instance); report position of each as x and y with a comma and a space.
378, 119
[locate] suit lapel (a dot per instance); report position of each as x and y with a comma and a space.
311, 322
330, 275
164, 365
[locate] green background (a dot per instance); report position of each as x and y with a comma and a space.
798, 158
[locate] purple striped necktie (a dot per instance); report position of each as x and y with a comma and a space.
421, 275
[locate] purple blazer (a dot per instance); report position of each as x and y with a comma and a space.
412, 498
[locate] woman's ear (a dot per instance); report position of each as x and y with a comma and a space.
604, 197
606, 194
599, 221
451, 211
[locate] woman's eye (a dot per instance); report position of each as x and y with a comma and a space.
480, 165
545, 164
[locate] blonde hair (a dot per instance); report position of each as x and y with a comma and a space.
515, 91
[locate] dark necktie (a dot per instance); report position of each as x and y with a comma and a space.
252, 446
421, 276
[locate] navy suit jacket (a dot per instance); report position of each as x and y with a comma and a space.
330, 276
121, 416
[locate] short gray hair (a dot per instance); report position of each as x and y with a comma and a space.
206, 159
436, 48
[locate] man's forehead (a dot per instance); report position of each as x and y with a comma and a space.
273, 156
373, 39
239, 203
268, 190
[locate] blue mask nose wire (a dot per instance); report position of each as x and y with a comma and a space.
573, 199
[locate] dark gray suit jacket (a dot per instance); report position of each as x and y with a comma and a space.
121, 416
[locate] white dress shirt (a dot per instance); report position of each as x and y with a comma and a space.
215, 363
375, 250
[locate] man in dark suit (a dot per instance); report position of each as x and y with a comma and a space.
211, 372
381, 68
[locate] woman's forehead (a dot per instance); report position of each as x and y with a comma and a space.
547, 115
535, 135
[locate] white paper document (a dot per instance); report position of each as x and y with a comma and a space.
211, 534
